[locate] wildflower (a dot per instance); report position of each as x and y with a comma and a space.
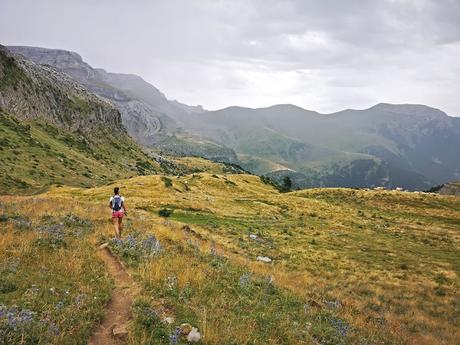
52, 235
3, 310
333, 304
117, 242
175, 336
341, 327
245, 279
151, 245
171, 282
130, 241
14, 317
22, 223
53, 329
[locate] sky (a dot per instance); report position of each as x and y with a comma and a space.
324, 55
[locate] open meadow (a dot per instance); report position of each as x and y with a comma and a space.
345, 266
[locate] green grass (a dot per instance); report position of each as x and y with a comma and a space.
37, 154
49, 271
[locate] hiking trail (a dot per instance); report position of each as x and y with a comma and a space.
114, 327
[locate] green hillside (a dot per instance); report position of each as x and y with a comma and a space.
36, 154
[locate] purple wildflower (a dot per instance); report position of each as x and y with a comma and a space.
175, 336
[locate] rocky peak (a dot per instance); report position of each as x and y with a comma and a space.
30, 91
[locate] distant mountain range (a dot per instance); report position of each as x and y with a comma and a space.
409, 146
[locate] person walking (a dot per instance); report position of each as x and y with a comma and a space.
117, 205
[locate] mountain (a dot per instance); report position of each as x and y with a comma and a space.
149, 117
411, 146
54, 131
451, 188
404, 145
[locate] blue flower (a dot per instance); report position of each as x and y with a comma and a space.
175, 336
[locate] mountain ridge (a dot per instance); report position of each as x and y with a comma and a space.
149, 117
383, 145
53, 131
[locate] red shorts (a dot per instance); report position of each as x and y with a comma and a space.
117, 214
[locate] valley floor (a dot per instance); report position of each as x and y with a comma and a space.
347, 266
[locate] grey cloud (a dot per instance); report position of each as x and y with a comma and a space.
318, 54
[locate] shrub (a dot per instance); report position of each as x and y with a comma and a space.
165, 212
133, 248
167, 181
51, 236
22, 326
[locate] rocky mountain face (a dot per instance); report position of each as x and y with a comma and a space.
29, 91
149, 117
54, 131
452, 188
143, 122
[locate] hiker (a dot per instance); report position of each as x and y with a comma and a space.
117, 205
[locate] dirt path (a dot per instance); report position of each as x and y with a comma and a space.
113, 328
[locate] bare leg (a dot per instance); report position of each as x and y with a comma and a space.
117, 230
120, 225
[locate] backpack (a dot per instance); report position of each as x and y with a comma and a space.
117, 203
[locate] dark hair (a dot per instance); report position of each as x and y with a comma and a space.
116, 190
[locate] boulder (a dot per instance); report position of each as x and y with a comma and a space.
120, 331
194, 335
264, 259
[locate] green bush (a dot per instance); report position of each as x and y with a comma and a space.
165, 212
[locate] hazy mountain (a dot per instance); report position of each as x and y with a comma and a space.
412, 146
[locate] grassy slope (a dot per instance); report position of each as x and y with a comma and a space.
383, 265
48, 266
35, 154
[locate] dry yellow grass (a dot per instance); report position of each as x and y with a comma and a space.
390, 259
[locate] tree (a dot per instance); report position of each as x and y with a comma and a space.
287, 184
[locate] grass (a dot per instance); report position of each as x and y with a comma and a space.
36, 154
348, 266
52, 284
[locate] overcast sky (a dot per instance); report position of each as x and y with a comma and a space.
323, 55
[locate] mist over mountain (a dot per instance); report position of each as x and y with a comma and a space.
408, 145
413, 146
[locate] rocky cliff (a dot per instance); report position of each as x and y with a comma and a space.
29, 90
